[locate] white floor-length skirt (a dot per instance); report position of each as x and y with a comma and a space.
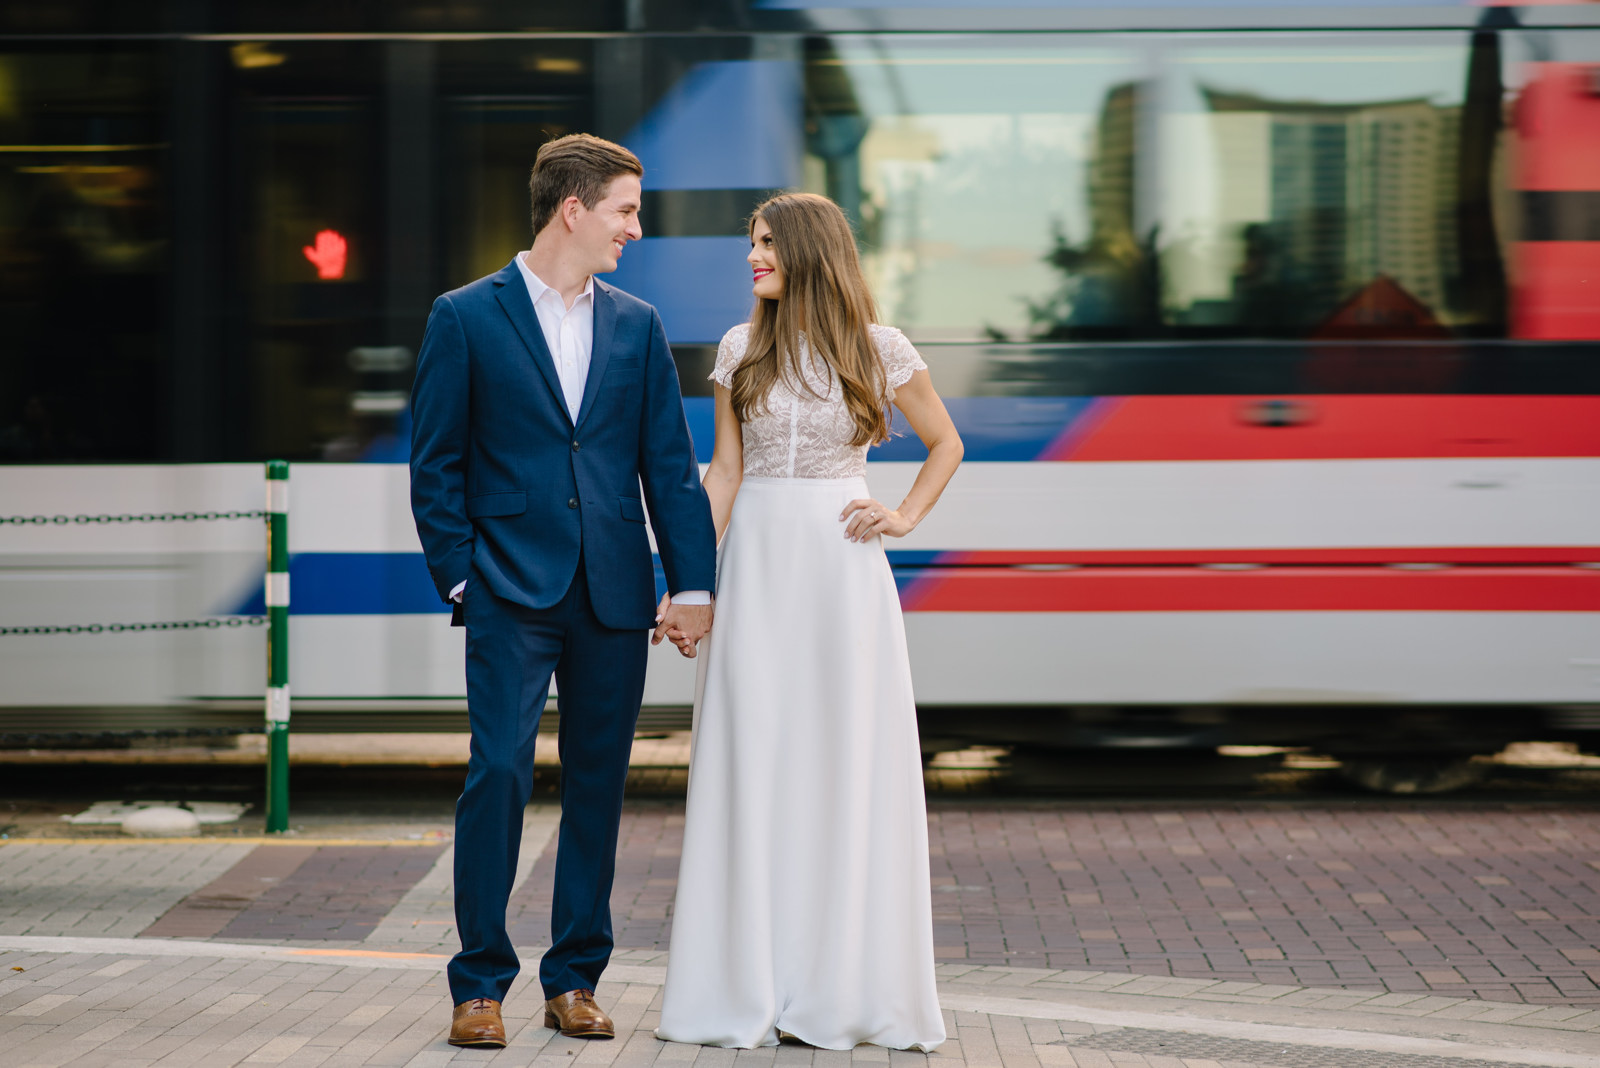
803, 899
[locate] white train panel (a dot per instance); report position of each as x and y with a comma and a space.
145, 572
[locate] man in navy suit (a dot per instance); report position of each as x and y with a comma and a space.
545, 402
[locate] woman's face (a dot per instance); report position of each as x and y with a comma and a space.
763, 260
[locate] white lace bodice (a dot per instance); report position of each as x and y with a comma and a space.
801, 435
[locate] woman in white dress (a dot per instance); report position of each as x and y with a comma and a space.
803, 901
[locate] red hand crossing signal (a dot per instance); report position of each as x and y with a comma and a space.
328, 254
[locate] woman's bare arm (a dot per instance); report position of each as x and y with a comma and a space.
726, 470
866, 518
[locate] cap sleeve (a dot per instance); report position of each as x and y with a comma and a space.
730, 352
900, 357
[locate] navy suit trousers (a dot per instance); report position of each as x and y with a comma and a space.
512, 651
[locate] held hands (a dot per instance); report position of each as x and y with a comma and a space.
683, 624
866, 518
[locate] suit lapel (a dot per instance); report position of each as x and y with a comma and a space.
512, 293
605, 327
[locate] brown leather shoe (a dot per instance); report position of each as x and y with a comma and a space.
477, 1025
576, 1015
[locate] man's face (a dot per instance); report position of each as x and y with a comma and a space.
612, 223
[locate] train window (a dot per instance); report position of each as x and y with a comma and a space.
416, 154
262, 224
499, 101
83, 253
1312, 186
979, 170
314, 243
311, 260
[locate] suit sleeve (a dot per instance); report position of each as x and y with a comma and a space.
680, 514
439, 439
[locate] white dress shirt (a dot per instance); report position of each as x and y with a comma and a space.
568, 332
569, 335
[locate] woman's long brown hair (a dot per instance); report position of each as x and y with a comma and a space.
824, 295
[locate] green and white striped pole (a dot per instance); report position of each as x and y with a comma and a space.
277, 646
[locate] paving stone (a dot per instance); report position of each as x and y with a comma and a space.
1070, 897
48, 889
334, 892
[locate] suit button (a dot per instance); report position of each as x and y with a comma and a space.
576, 446
572, 503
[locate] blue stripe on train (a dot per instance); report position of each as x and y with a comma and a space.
356, 584
398, 584
993, 429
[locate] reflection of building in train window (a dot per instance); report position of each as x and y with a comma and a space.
1298, 175
956, 158
1109, 287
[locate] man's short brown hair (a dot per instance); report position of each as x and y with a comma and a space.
577, 165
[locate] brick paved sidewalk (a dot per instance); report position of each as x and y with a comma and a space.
115, 1003
1480, 901
1070, 934
1492, 902
1475, 902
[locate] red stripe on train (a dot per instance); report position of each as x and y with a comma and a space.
1557, 292
1479, 589
1558, 126
1447, 554
1336, 427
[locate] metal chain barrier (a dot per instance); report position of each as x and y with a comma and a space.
276, 517
212, 623
146, 517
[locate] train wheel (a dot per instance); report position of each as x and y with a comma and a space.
1411, 774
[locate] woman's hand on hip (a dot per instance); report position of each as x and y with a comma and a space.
865, 518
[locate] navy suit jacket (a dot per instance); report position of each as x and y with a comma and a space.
504, 484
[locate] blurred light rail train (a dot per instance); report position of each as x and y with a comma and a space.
1276, 353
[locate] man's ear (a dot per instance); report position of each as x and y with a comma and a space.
571, 209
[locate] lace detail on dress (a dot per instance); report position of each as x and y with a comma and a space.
900, 357
729, 352
801, 435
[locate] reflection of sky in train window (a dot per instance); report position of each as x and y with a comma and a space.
1297, 175
969, 156
1359, 71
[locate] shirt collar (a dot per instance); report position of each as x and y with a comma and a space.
537, 288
